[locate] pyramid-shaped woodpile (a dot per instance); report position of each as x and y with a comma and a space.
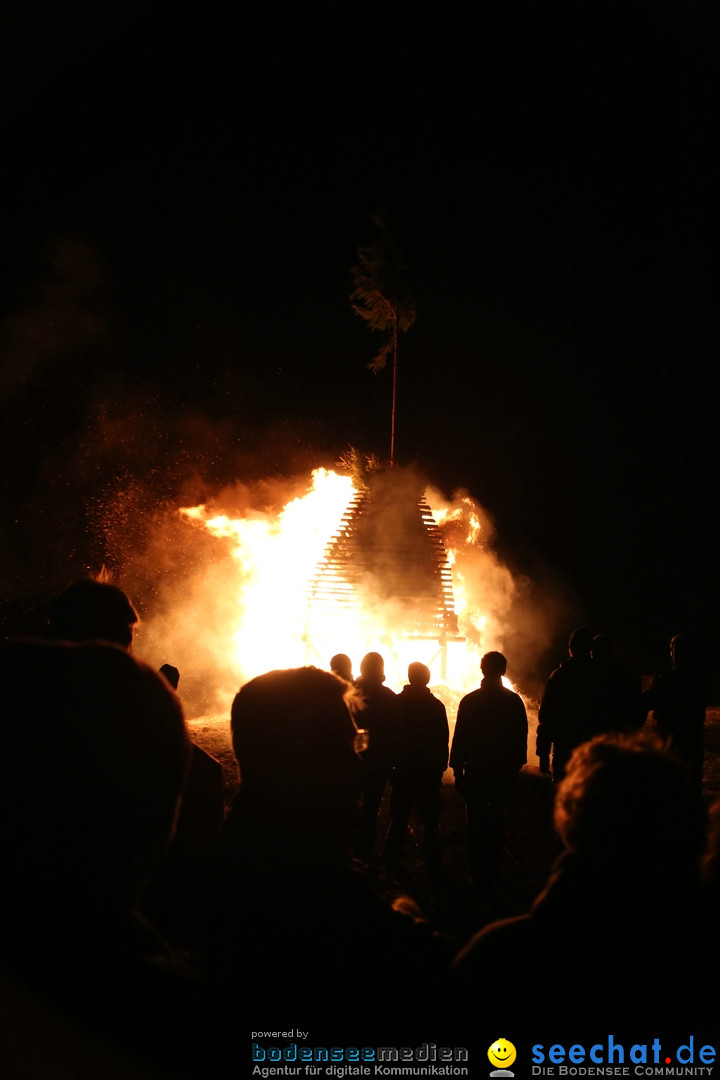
387, 554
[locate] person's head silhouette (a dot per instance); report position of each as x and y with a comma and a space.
93, 611
372, 667
295, 742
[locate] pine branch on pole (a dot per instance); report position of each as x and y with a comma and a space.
380, 297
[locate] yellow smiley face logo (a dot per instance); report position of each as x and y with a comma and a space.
502, 1053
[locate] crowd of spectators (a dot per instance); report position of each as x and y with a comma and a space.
142, 922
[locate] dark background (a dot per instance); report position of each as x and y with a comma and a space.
184, 195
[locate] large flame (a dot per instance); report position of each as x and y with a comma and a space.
276, 556
273, 556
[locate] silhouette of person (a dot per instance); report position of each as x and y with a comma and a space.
620, 701
107, 751
380, 719
421, 762
489, 748
624, 892
171, 892
341, 665
569, 712
171, 674
285, 898
677, 700
93, 611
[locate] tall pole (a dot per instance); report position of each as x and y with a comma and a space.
394, 390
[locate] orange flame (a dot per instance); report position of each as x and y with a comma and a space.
274, 555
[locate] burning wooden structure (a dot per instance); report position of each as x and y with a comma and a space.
386, 562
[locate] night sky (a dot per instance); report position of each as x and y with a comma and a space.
184, 195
